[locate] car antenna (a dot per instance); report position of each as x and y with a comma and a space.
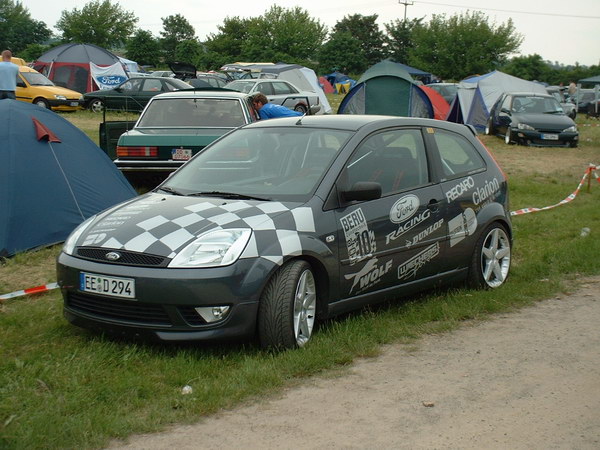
300, 119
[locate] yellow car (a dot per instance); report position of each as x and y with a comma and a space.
33, 87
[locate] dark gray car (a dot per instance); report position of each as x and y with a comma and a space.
285, 222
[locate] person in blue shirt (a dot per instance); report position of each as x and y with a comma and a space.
8, 76
268, 110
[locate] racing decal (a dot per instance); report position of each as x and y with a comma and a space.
484, 195
411, 267
462, 226
404, 208
423, 234
407, 226
369, 275
360, 241
464, 186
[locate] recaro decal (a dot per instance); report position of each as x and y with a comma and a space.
423, 234
464, 186
411, 267
360, 241
403, 228
462, 226
404, 208
369, 275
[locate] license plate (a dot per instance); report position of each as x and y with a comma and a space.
550, 137
181, 154
74, 103
101, 284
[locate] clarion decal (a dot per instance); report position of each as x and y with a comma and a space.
411, 267
369, 275
404, 208
481, 194
407, 226
360, 241
464, 186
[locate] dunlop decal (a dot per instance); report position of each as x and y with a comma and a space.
423, 234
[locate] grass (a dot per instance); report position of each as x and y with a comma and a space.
63, 387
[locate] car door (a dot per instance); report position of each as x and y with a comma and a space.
399, 237
123, 96
503, 117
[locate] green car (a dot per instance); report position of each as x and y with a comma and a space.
133, 94
175, 126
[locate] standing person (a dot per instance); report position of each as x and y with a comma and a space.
572, 88
268, 110
8, 76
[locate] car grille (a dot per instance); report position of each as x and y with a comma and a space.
120, 310
127, 258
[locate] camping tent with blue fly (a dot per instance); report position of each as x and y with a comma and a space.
52, 178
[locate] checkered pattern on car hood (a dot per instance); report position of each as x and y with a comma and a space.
164, 224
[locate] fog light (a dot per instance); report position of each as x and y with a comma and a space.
213, 313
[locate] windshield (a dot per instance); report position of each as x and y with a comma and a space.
539, 105
36, 79
193, 112
280, 163
241, 86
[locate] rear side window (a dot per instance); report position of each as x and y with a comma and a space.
458, 155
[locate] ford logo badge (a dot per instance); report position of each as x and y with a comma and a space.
112, 256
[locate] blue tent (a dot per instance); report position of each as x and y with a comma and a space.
52, 178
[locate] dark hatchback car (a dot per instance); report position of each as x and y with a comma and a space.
284, 222
133, 94
529, 118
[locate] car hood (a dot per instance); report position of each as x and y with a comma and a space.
163, 225
556, 122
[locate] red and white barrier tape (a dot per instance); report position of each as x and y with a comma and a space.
588, 173
30, 291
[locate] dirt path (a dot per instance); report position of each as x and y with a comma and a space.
525, 380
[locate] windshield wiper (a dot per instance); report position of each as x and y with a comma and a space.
170, 190
232, 195
554, 112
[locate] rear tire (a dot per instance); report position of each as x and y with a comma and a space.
96, 105
42, 103
287, 309
491, 259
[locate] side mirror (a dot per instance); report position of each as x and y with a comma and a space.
505, 111
21, 83
362, 191
315, 109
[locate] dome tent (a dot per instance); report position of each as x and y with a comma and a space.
68, 65
387, 88
52, 178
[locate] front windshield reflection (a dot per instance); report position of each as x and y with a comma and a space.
272, 163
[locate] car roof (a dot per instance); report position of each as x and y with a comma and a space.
354, 122
529, 94
203, 93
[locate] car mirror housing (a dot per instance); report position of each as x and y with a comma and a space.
362, 191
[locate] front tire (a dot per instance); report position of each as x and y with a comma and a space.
287, 310
42, 103
96, 105
491, 260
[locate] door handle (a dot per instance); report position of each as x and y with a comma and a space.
433, 205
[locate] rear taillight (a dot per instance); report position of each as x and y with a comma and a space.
139, 152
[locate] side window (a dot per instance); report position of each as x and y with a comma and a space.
152, 86
506, 103
168, 87
458, 155
266, 88
395, 159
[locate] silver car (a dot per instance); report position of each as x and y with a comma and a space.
279, 91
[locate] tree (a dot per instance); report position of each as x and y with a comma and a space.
399, 38
462, 45
188, 51
143, 47
531, 67
176, 29
225, 46
18, 29
99, 22
367, 32
342, 52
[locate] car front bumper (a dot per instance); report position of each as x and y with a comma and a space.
165, 300
546, 138
65, 105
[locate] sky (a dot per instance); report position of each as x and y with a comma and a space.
561, 31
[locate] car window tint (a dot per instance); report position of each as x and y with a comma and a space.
458, 155
395, 159
170, 87
196, 112
152, 86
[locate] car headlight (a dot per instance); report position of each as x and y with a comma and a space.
213, 249
69, 244
524, 126
572, 129
60, 97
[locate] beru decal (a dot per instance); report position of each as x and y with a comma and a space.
369, 275
404, 208
462, 226
411, 267
416, 220
464, 186
359, 239
423, 234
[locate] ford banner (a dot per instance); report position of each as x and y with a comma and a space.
108, 77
